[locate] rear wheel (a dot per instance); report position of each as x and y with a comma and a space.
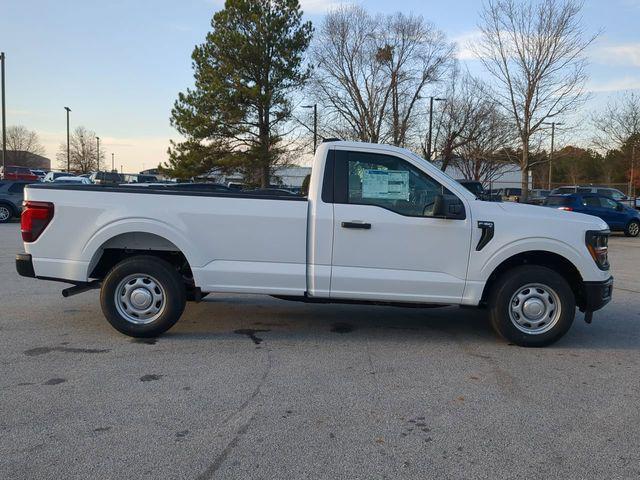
143, 296
6, 213
633, 229
532, 306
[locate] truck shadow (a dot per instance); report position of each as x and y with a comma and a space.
290, 321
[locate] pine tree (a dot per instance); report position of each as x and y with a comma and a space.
244, 72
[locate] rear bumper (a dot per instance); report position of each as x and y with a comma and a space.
24, 265
597, 294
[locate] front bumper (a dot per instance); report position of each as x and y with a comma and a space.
597, 294
24, 265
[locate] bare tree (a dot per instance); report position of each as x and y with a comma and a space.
618, 128
488, 152
83, 152
462, 116
619, 121
24, 143
370, 72
535, 52
414, 54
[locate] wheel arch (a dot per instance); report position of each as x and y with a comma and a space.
552, 260
112, 245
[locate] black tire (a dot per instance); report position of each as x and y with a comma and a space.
513, 283
5, 210
632, 229
164, 280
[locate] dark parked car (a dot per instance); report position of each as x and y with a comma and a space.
537, 196
479, 191
619, 217
106, 178
11, 196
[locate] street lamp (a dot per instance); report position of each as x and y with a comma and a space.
431, 100
553, 134
4, 115
315, 124
112, 166
98, 154
68, 143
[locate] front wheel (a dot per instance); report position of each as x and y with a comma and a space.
143, 296
633, 229
532, 306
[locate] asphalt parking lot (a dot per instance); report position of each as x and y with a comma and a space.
253, 387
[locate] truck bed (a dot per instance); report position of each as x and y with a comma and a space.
219, 233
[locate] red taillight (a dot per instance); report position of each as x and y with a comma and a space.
35, 218
566, 209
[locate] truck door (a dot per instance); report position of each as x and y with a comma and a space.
386, 245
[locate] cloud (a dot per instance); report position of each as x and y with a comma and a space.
318, 6
615, 85
464, 41
624, 54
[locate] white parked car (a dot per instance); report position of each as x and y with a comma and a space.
380, 225
73, 180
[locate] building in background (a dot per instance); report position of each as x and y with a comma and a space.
20, 158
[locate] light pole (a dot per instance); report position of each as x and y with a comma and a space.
315, 124
68, 143
632, 185
4, 114
553, 135
112, 166
98, 154
431, 100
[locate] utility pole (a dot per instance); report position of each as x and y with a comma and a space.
631, 193
4, 114
431, 100
112, 166
98, 154
68, 143
553, 134
315, 124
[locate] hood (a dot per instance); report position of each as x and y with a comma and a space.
539, 213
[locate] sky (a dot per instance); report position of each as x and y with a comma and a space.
119, 65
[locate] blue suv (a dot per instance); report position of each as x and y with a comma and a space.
619, 217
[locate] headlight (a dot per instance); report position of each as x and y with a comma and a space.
598, 245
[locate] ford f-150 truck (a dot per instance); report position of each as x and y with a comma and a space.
379, 225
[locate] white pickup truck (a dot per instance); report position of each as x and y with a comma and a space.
380, 225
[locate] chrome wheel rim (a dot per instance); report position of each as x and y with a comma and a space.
535, 309
5, 214
634, 229
140, 299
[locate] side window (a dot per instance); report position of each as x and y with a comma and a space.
608, 203
591, 201
385, 181
16, 188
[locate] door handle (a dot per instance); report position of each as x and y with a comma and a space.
357, 224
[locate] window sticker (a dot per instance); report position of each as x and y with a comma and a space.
387, 184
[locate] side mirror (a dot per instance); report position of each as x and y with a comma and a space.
619, 207
448, 206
